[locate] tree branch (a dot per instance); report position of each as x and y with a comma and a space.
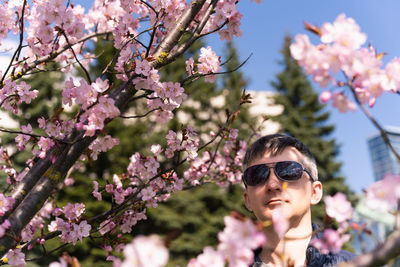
374, 122
176, 33
89, 80
381, 255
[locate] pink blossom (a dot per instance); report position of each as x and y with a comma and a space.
44, 144
3, 227
152, 166
341, 102
300, 47
338, 207
280, 223
189, 66
331, 241
209, 63
325, 96
73, 211
102, 144
392, 70
6, 203
16, 257
95, 192
142, 67
62, 263
384, 194
147, 193
343, 31
85, 94
83, 229
145, 252
106, 226
238, 239
156, 149
209, 257
69, 181
100, 86
23, 139
6, 20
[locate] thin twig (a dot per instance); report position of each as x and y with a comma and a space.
31, 135
199, 75
139, 116
16, 53
374, 122
76, 58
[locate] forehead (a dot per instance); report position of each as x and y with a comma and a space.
289, 153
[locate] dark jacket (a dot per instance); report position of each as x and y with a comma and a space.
316, 259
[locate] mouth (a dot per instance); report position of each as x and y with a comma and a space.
274, 201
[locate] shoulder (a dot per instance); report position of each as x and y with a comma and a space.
316, 258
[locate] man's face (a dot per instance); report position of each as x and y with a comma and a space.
295, 199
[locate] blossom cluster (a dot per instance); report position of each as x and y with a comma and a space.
209, 63
5, 204
56, 31
143, 180
383, 196
236, 244
341, 49
74, 228
97, 107
339, 208
13, 94
59, 19
226, 164
144, 251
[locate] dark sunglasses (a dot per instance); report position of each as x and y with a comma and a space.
284, 170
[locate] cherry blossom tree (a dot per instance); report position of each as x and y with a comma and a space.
147, 35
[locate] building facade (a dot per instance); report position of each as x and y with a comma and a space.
383, 160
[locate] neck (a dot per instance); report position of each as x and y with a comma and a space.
289, 250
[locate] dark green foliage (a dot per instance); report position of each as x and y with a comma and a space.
49, 86
305, 118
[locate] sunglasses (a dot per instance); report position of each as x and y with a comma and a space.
284, 170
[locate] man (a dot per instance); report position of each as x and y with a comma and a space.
281, 181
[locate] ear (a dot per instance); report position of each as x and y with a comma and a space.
247, 200
316, 192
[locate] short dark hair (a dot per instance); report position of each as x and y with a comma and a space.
275, 144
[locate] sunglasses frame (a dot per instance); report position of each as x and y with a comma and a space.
272, 165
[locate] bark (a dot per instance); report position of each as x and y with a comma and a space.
381, 255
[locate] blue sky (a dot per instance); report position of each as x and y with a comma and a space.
264, 27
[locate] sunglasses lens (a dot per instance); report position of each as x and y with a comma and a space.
289, 170
256, 175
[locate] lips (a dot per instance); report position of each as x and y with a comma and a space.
274, 201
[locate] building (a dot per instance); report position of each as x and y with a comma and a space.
383, 160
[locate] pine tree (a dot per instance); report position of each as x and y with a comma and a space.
305, 118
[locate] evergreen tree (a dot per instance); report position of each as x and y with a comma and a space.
48, 84
305, 118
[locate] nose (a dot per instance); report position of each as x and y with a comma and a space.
273, 183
